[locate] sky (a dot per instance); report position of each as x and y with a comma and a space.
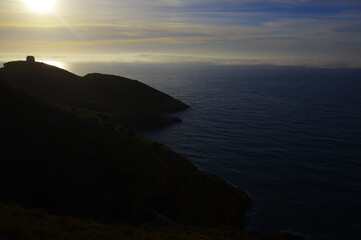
283, 32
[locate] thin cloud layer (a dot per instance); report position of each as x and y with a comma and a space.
229, 29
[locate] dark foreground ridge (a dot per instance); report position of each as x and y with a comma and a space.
81, 163
129, 102
28, 224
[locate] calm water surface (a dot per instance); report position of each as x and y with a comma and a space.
289, 136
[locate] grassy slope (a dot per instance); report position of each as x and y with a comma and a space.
62, 159
25, 224
81, 163
130, 102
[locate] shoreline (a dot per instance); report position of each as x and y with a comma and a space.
161, 178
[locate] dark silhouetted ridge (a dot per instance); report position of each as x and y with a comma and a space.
130, 102
78, 162
72, 162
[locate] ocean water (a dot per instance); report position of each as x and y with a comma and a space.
289, 136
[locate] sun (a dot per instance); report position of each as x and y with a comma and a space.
41, 6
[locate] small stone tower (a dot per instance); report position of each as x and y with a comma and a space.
30, 59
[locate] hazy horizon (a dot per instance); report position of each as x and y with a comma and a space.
66, 62
275, 32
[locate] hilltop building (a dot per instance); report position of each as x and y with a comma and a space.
30, 59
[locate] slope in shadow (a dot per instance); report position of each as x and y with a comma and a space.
130, 102
76, 163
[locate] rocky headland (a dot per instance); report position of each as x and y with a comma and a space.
129, 102
68, 148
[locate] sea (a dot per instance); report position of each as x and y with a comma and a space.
289, 136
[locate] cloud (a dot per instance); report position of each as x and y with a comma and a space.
228, 29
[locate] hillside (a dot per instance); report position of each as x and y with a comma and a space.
92, 177
32, 224
70, 161
130, 102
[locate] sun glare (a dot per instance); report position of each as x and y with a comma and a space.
56, 64
41, 6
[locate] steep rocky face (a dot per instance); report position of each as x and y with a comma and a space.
73, 162
130, 102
